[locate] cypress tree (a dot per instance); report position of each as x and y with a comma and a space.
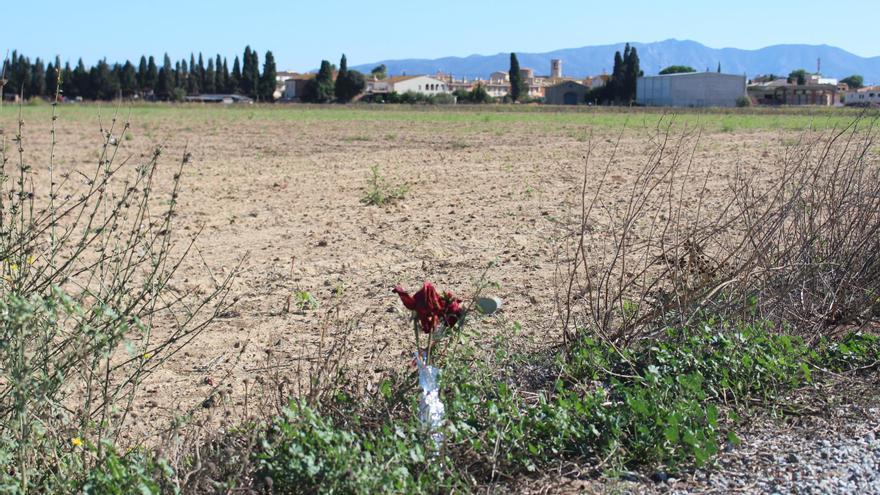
631, 74
38, 79
247, 81
80, 80
193, 77
349, 83
165, 83
321, 88
341, 90
719, 67
221, 76
152, 78
267, 80
52, 71
210, 85
617, 76
67, 79
128, 82
516, 80
202, 73
255, 73
142, 74
235, 77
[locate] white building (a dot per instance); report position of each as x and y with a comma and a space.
417, 84
863, 97
694, 89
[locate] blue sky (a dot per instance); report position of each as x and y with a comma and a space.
302, 33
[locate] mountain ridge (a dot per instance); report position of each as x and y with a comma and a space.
592, 60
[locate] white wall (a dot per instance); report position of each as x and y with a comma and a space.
422, 84
696, 89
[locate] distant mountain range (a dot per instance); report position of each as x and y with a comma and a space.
592, 60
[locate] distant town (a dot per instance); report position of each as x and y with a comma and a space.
626, 85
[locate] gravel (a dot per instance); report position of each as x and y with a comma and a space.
818, 456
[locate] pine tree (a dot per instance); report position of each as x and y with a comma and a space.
267, 80
516, 80
234, 85
719, 67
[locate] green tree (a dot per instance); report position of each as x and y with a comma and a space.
152, 78
616, 83
52, 73
165, 84
320, 89
379, 72
234, 84
210, 85
631, 73
854, 81
517, 84
38, 79
677, 69
719, 67
250, 73
128, 83
798, 76
349, 83
80, 80
222, 76
268, 79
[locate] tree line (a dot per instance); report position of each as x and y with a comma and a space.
170, 81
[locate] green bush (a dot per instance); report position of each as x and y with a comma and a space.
306, 452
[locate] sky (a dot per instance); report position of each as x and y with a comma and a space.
301, 34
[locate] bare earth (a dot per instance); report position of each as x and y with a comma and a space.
283, 195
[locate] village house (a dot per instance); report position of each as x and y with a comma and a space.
566, 93
816, 91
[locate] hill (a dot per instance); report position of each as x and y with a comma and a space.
591, 60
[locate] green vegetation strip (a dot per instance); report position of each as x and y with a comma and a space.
717, 120
667, 404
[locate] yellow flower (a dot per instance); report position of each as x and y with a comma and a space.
148, 355
76, 441
31, 259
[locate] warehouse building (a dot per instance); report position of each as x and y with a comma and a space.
694, 89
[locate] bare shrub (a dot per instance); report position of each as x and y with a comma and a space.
88, 263
800, 251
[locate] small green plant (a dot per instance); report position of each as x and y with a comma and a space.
305, 301
379, 192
